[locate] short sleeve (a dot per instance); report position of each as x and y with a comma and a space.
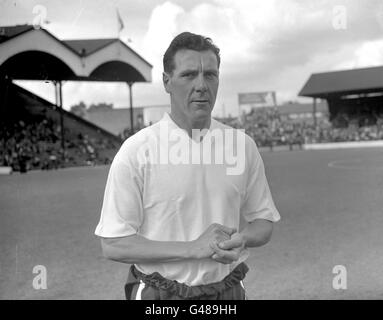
122, 210
258, 202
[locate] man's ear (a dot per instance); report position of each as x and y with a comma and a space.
166, 81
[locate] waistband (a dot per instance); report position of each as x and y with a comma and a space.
184, 291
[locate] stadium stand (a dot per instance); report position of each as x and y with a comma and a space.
31, 128
355, 112
30, 136
354, 97
269, 128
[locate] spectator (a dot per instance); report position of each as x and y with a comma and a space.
35, 143
266, 127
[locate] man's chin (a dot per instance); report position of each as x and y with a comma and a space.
202, 114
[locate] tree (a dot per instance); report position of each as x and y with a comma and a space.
79, 109
100, 106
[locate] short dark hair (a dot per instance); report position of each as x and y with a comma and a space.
188, 40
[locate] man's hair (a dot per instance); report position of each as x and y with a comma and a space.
191, 41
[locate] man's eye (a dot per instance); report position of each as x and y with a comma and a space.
210, 75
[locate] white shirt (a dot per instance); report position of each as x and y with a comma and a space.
160, 188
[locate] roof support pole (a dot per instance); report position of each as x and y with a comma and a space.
4, 88
130, 84
59, 103
315, 112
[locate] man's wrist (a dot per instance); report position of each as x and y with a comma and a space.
190, 252
245, 240
194, 251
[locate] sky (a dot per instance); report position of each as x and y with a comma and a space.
272, 45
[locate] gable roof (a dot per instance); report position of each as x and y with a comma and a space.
8, 32
354, 81
87, 46
109, 65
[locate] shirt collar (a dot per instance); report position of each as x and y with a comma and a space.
173, 125
166, 117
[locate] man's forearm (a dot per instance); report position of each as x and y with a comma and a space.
137, 249
257, 233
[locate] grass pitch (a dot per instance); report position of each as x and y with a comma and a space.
331, 204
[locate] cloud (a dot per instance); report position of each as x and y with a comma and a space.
161, 30
370, 54
275, 45
265, 45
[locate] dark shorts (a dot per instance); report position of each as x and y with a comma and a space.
140, 286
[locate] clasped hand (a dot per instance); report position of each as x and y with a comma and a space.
220, 243
228, 251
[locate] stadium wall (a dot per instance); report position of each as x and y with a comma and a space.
343, 145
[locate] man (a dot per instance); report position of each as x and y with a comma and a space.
174, 217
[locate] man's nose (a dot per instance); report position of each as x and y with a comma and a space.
201, 83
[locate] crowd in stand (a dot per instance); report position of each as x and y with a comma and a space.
268, 128
36, 144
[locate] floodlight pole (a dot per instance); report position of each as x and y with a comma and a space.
130, 84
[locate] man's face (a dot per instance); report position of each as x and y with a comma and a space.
193, 84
